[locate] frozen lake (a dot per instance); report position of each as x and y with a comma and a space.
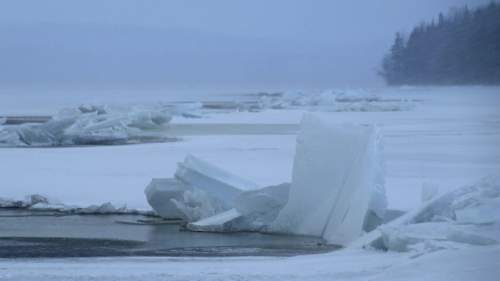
448, 139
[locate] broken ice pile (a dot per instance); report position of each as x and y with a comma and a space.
466, 216
198, 190
337, 189
37, 202
90, 125
333, 100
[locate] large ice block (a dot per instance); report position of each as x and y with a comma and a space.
213, 180
336, 174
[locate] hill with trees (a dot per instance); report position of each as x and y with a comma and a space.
461, 48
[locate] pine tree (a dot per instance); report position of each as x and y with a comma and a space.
462, 47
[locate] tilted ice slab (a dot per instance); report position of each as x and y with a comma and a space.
336, 174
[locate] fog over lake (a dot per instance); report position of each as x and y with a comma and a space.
200, 45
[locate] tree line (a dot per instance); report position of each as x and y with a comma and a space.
460, 48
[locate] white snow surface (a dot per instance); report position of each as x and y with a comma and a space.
474, 263
449, 139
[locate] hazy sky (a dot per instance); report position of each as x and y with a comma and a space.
341, 42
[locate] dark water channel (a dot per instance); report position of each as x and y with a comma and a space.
27, 234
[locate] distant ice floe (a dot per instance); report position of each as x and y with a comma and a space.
37, 202
333, 100
96, 125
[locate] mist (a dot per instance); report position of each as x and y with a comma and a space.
203, 45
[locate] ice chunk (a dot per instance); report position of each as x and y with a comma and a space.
213, 180
404, 238
199, 190
173, 199
160, 194
261, 207
334, 176
197, 204
221, 222
254, 211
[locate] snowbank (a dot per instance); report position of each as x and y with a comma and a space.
91, 125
